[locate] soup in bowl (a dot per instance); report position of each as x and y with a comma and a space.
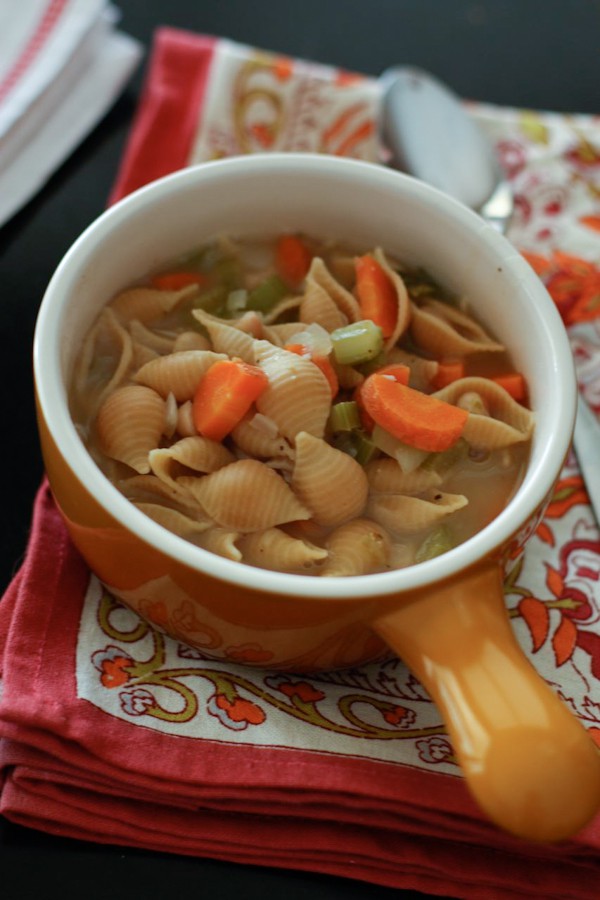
332, 345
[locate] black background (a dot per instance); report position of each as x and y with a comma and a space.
540, 54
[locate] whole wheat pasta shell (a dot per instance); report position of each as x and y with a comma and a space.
222, 542
508, 422
161, 344
386, 477
274, 549
107, 330
280, 333
178, 373
191, 340
226, 338
298, 397
357, 548
402, 514
255, 438
319, 275
404, 305
245, 496
129, 425
174, 520
317, 306
197, 453
445, 331
329, 482
150, 489
147, 304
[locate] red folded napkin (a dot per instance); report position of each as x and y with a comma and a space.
112, 732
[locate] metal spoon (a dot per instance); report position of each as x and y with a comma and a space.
426, 128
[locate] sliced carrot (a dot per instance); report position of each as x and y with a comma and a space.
292, 259
447, 373
225, 394
397, 371
323, 362
513, 383
415, 418
175, 281
376, 294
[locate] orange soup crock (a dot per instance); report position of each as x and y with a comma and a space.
527, 760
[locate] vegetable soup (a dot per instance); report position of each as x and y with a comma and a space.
303, 406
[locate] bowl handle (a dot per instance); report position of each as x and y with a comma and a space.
527, 760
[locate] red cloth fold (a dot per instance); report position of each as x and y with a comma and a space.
73, 768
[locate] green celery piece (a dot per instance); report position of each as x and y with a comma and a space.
212, 300
443, 462
267, 294
439, 541
344, 416
357, 343
357, 445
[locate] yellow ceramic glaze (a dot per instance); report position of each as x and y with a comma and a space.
527, 761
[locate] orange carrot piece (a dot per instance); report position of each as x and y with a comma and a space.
292, 259
447, 373
323, 362
417, 419
376, 294
397, 371
514, 383
175, 281
224, 395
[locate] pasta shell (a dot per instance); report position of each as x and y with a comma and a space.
274, 549
357, 548
507, 423
402, 514
197, 453
142, 355
147, 304
178, 373
404, 305
443, 330
258, 436
150, 489
329, 482
298, 396
281, 333
385, 476
109, 341
173, 520
422, 371
222, 542
284, 306
246, 496
319, 275
185, 420
159, 343
129, 425
225, 338
317, 306
191, 340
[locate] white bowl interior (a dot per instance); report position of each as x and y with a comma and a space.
359, 203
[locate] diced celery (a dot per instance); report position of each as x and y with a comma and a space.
267, 294
438, 541
443, 462
356, 343
344, 416
356, 444
228, 273
236, 302
212, 301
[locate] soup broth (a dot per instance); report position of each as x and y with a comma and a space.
302, 406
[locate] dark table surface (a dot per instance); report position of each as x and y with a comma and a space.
530, 53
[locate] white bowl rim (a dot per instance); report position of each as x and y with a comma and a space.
51, 397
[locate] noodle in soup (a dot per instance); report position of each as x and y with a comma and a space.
298, 405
